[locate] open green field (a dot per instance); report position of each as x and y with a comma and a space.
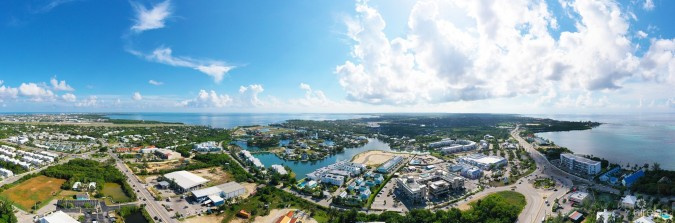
27, 193
114, 192
512, 197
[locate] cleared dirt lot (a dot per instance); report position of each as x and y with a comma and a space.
215, 175
205, 219
374, 157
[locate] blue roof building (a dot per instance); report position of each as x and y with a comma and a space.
630, 179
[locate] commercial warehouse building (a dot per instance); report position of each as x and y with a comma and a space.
580, 164
58, 217
217, 194
185, 181
483, 161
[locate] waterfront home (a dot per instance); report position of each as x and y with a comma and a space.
279, 169
630, 179
333, 179
311, 184
390, 164
580, 164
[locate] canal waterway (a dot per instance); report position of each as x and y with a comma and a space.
301, 168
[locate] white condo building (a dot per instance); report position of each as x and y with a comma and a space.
580, 164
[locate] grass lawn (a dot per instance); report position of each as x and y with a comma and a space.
27, 193
114, 191
512, 197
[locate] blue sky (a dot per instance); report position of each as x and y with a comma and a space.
337, 56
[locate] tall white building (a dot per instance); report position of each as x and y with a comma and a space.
580, 164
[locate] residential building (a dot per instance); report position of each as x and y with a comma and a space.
607, 176
6, 173
209, 146
453, 146
333, 179
606, 216
251, 159
91, 186
580, 164
631, 178
628, 202
343, 168
390, 164
645, 219
77, 185
576, 216
279, 169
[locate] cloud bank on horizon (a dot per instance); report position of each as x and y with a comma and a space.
452, 56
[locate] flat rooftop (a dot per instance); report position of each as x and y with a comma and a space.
185, 179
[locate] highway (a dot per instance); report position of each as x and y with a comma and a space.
153, 207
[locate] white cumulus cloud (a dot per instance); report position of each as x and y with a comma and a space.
156, 83
648, 5
90, 101
35, 92
312, 97
69, 97
137, 96
208, 99
153, 18
248, 96
60, 85
7, 92
473, 50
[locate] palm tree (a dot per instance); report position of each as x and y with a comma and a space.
656, 167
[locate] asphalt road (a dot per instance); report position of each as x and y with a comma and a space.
153, 207
546, 169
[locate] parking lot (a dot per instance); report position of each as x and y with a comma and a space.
386, 200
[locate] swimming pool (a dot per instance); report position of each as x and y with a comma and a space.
666, 216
